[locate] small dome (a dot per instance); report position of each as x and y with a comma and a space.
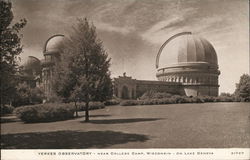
32, 63
51, 45
186, 48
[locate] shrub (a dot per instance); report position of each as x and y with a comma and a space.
27, 95
129, 103
207, 98
92, 105
169, 100
112, 102
6, 109
155, 95
182, 99
160, 95
148, 95
45, 112
199, 100
225, 99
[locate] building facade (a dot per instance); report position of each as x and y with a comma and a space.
127, 88
39, 73
30, 72
186, 64
51, 54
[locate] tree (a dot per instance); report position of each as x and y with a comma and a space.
10, 48
27, 95
83, 72
224, 94
243, 87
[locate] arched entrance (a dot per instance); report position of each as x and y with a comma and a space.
125, 92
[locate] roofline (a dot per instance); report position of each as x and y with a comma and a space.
56, 35
165, 43
34, 58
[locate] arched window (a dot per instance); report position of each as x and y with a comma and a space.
116, 91
125, 92
133, 93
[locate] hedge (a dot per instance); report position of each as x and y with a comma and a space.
129, 102
47, 112
92, 105
181, 99
6, 109
112, 102
172, 100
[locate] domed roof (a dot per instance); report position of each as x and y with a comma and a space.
32, 64
52, 43
186, 48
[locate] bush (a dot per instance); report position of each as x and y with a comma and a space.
171, 100
92, 105
112, 102
27, 96
155, 95
129, 103
225, 99
45, 112
183, 99
6, 109
208, 98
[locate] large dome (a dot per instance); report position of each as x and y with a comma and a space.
186, 48
52, 43
191, 61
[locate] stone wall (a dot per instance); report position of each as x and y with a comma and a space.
128, 88
143, 86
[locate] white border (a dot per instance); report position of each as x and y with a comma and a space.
127, 154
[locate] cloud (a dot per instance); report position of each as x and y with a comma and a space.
133, 30
112, 28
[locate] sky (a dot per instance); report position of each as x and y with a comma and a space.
132, 31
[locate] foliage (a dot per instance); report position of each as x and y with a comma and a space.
23, 95
27, 95
10, 48
155, 95
6, 109
129, 102
243, 87
92, 106
54, 98
36, 95
182, 99
226, 94
208, 98
45, 112
112, 102
83, 73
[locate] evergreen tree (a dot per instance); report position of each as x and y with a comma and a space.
10, 48
243, 87
83, 73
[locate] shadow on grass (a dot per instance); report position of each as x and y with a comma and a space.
117, 121
98, 115
68, 140
9, 118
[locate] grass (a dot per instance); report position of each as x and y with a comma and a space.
206, 125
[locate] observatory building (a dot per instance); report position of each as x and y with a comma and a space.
39, 73
51, 54
186, 65
190, 60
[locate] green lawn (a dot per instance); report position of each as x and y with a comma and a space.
207, 125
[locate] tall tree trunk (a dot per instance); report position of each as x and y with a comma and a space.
87, 112
76, 109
